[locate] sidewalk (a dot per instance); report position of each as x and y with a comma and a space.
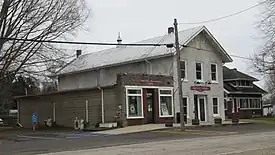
224, 123
151, 127
133, 129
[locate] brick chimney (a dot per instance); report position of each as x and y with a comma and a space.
78, 53
170, 30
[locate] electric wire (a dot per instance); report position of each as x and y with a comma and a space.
82, 43
224, 17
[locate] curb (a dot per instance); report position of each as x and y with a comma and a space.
215, 125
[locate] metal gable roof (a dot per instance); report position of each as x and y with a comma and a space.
129, 54
234, 74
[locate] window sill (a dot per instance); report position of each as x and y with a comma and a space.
214, 82
166, 116
199, 81
216, 116
250, 108
184, 80
141, 117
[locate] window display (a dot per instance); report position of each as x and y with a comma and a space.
166, 103
134, 106
134, 103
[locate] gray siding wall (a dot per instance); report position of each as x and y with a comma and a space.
68, 106
73, 105
107, 76
111, 102
40, 106
207, 56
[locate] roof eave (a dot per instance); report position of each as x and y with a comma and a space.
227, 80
251, 93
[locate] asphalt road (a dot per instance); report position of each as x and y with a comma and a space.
243, 144
28, 144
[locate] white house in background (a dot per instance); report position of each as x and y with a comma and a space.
202, 61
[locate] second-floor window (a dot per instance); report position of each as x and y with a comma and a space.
242, 83
183, 70
199, 72
214, 75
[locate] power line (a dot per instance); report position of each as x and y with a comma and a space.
102, 43
85, 43
241, 57
227, 16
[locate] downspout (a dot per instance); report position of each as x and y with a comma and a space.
150, 64
18, 115
102, 96
54, 112
102, 106
87, 110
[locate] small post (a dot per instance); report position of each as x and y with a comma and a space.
33, 127
179, 75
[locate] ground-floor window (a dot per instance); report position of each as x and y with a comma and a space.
244, 103
248, 103
215, 105
165, 102
185, 108
255, 103
185, 103
134, 103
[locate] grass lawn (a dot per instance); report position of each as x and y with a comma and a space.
263, 120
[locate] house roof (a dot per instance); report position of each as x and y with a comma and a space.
129, 54
245, 90
234, 74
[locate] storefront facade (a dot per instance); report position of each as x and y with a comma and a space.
148, 98
149, 104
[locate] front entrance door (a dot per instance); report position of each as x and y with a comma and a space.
150, 104
202, 108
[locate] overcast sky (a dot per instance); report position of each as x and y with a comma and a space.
141, 19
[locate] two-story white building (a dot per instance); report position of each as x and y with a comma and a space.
202, 60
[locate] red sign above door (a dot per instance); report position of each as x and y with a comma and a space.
200, 88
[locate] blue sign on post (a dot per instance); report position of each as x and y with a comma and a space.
34, 118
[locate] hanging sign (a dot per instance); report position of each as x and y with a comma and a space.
200, 88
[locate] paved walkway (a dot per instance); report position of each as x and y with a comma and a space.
148, 127
133, 129
232, 144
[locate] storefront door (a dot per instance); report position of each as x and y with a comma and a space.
202, 108
150, 104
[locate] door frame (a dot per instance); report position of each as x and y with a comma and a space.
152, 120
199, 109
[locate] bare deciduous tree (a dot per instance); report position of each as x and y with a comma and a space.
264, 60
39, 20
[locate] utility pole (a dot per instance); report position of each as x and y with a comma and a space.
179, 74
